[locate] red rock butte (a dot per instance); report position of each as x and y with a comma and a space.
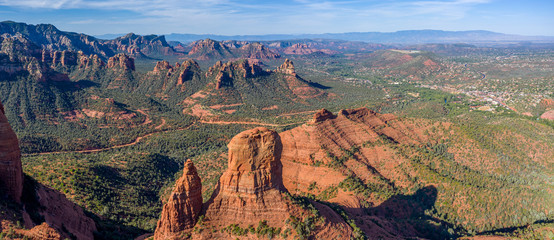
251, 187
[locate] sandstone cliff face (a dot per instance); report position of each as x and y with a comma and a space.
181, 211
166, 80
255, 153
251, 187
11, 173
162, 65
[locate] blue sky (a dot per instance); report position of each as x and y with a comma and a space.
234, 17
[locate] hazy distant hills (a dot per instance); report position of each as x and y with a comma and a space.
400, 37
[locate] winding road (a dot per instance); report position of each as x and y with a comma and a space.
140, 138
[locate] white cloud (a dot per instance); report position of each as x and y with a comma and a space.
252, 17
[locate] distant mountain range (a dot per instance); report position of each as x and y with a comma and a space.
399, 37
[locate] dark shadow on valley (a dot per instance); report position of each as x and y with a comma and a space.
403, 217
318, 85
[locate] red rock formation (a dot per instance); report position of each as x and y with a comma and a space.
250, 189
121, 61
230, 70
257, 154
187, 70
287, 68
90, 62
137, 46
549, 115
329, 133
257, 51
43, 232
322, 115
208, 48
11, 173
183, 207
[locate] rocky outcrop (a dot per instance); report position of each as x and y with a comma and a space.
287, 68
330, 134
11, 173
254, 162
59, 58
549, 115
181, 211
547, 103
121, 61
162, 66
187, 71
322, 115
225, 73
48, 37
90, 62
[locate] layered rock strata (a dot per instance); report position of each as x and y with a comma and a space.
252, 185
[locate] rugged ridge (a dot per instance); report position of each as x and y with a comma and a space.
209, 49
181, 211
50, 38
236, 84
138, 46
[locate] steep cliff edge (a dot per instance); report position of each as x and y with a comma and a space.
55, 217
11, 173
